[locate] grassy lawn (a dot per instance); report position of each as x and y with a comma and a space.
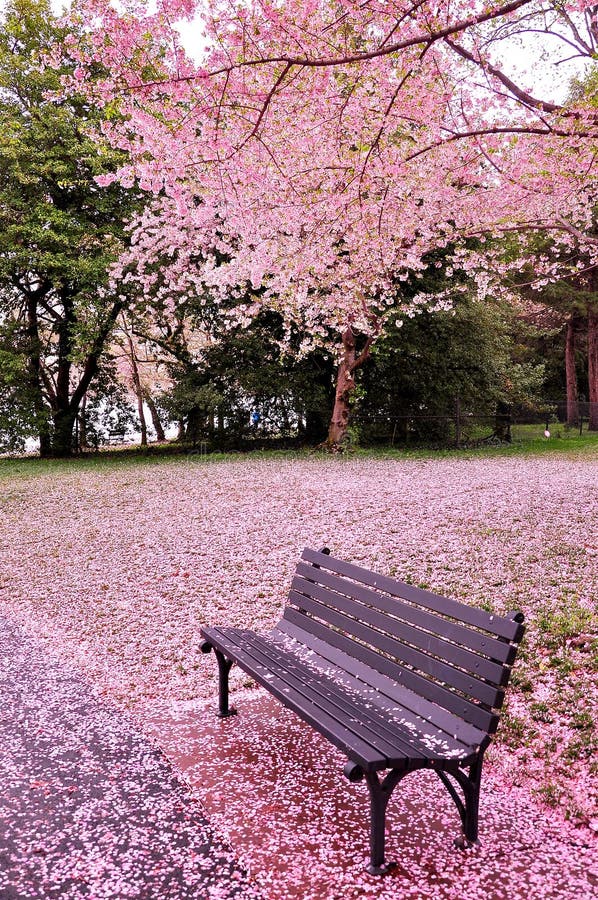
527, 441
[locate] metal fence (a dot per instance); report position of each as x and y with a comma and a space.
463, 426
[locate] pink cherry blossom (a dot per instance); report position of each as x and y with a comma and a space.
326, 149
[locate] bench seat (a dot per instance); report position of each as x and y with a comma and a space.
350, 713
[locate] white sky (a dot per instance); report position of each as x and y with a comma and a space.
530, 61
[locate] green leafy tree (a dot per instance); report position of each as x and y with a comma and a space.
59, 233
241, 370
17, 416
423, 365
568, 309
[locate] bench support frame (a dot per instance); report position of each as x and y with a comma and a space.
224, 667
469, 806
381, 789
380, 793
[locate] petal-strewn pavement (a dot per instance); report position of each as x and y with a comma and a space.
291, 815
88, 807
115, 568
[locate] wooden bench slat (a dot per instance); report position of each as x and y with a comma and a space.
500, 626
425, 641
350, 743
426, 732
447, 629
327, 696
390, 695
320, 693
476, 715
381, 731
346, 735
435, 668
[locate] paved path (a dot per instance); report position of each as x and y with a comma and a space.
88, 807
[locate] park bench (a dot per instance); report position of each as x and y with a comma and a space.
117, 436
398, 678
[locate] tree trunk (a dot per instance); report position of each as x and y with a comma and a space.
315, 426
138, 391
194, 423
64, 413
570, 374
160, 436
64, 406
502, 423
62, 439
45, 441
35, 379
400, 428
593, 367
345, 385
83, 445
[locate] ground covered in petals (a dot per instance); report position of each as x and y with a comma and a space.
116, 567
275, 790
88, 806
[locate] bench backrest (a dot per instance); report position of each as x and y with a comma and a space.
454, 655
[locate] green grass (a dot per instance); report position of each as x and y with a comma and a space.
567, 620
101, 462
558, 432
569, 444
586, 444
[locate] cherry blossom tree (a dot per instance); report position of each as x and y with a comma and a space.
319, 150
140, 370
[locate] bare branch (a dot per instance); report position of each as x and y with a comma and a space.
580, 235
523, 96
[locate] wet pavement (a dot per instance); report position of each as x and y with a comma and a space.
89, 807
276, 789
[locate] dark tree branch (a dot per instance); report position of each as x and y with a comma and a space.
428, 37
524, 97
91, 365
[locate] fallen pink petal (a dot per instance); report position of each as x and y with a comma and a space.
96, 594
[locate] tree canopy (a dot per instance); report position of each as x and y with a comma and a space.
330, 145
318, 152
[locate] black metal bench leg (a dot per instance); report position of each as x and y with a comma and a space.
468, 810
472, 802
380, 793
224, 667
